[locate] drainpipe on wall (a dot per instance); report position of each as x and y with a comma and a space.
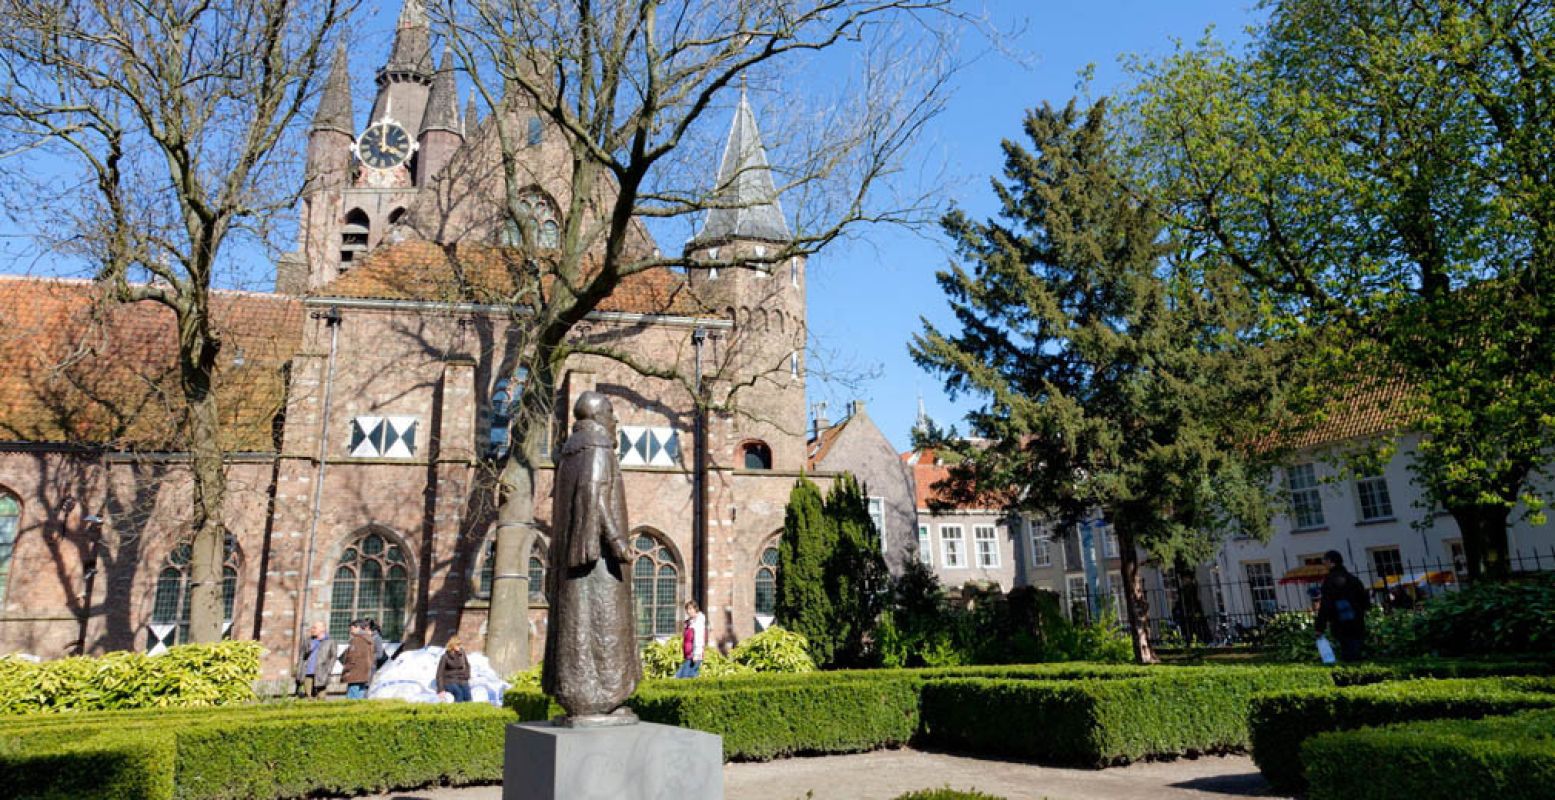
699, 482
331, 318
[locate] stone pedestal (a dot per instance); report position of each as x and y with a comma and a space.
630, 762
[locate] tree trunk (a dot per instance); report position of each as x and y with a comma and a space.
507, 623
1193, 624
1485, 545
208, 543
1134, 598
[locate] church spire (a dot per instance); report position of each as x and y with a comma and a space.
471, 116
443, 102
745, 199
334, 112
412, 50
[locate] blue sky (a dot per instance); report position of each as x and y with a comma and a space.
866, 298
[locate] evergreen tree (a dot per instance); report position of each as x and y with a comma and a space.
804, 603
856, 572
1116, 378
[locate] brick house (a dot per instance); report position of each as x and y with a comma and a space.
364, 402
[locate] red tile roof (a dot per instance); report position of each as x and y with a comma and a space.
470, 273
1374, 406
927, 470
81, 370
816, 449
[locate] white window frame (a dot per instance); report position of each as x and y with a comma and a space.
986, 534
1109, 542
1376, 486
1080, 598
952, 557
1376, 569
1115, 594
925, 546
1305, 497
1255, 589
877, 518
1041, 548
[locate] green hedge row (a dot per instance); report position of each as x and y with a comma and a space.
1508, 758
187, 675
1100, 722
293, 750
1362, 674
1085, 714
1281, 722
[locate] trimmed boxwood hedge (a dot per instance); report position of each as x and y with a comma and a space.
1508, 758
287, 750
1281, 722
188, 675
1100, 722
1363, 674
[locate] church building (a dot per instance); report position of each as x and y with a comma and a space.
365, 402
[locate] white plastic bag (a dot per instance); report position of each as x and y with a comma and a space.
1325, 650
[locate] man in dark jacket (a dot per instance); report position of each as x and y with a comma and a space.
1342, 606
356, 666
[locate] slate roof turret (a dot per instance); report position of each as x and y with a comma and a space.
745, 200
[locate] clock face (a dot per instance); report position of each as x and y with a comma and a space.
384, 145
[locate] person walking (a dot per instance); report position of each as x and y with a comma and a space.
316, 662
380, 650
693, 642
1341, 607
357, 664
453, 672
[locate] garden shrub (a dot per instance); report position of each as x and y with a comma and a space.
1508, 758
283, 750
1280, 722
661, 659
186, 675
774, 650
760, 721
1516, 616
1290, 636
1093, 722
1377, 672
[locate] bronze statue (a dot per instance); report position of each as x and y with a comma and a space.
591, 663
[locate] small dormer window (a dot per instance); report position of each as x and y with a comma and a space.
354, 236
540, 212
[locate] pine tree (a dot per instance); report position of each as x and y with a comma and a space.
856, 572
804, 604
1117, 371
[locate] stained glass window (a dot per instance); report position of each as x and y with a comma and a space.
766, 582
10, 522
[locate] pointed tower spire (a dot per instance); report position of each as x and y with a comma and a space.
747, 203
412, 50
922, 423
334, 112
471, 115
442, 112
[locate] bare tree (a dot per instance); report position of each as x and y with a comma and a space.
171, 120
637, 90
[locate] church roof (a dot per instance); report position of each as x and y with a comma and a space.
442, 112
84, 371
423, 271
746, 202
334, 111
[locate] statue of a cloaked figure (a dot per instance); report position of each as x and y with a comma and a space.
591, 662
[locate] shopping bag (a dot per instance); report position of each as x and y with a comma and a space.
1325, 650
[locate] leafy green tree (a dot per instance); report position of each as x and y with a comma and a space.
1117, 376
804, 603
1384, 174
856, 572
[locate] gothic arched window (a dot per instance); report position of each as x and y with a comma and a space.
539, 211
10, 523
170, 606
655, 587
766, 582
536, 571
371, 580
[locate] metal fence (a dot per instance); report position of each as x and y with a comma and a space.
1216, 609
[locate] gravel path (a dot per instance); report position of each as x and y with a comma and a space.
885, 774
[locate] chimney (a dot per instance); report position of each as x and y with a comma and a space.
856, 409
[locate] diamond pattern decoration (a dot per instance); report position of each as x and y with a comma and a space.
642, 446
383, 437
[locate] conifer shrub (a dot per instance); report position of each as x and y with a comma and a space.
1507, 757
1281, 722
185, 676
